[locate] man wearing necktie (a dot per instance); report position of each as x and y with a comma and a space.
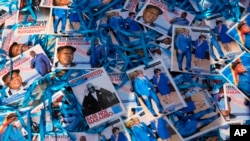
183, 44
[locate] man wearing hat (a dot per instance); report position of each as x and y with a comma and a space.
65, 56
241, 77
150, 15
14, 82
97, 100
244, 34
16, 49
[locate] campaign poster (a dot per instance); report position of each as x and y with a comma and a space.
237, 73
163, 17
240, 35
141, 127
100, 101
223, 48
199, 117
36, 22
14, 45
72, 53
163, 50
124, 89
190, 50
237, 103
31, 65
153, 83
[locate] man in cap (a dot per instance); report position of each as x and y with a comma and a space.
16, 49
65, 56
14, 82
241, 77
244, 34
182, 20
97, 100
150, 14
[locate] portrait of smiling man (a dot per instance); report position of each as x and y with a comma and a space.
150, 15
14, 82
65, 56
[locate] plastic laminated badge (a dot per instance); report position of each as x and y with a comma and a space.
124, 70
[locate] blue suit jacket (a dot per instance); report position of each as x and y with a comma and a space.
60, 12
121, 137
41, 63
143, 87
142, 131
182, 43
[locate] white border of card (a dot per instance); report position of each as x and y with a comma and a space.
227, 71
193, 65
162, 23
80, 58
107, 111
234, 33
172, 105
237, 102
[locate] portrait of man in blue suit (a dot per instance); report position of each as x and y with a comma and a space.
99, 54
41, 62
144, 88
183, 43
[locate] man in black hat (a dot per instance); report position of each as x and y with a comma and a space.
97, 100
241, 77
65, 56
16, 49
14, 82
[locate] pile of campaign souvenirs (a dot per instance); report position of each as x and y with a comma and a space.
120, 70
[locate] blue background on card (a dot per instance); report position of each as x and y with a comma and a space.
116, 109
